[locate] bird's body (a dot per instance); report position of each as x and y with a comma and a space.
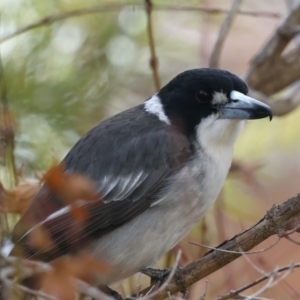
158, 168
178, 209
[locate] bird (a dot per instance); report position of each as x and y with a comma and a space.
158, 168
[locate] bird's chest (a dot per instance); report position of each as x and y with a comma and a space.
197, 187
150, 235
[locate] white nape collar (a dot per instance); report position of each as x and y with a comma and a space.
155, 107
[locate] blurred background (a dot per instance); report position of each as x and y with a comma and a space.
65, 77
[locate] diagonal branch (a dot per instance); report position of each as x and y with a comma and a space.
270, 71
273, 274
215, 57
278, 220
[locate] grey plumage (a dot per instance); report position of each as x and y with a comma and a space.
158, 168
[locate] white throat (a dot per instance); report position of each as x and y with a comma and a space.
218, 136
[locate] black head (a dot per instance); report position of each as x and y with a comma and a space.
196, 94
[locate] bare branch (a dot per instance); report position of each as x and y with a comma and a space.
50, 19
292, 240
153, 58
236, 252
215, 11
277, 220
269, 63
272, 274
215, 57
241, 297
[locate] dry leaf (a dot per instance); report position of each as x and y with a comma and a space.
83, 266
39, 239
79, 213
70, 187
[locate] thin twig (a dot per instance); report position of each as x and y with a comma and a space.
272, 274
242, 297
271, 282
292, 240
253, 265
235, 252
50, 19
215, 57
216, 11
153, 57
203, 296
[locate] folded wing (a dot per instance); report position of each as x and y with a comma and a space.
130, 166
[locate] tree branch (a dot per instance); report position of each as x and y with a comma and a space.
270, 71
216, 11
273, 274
278, 220
50, 19
215, 57
153, 57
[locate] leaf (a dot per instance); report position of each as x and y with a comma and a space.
70, 187
79, 213
39, 239
59, 281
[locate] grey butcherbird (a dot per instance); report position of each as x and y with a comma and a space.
158, 167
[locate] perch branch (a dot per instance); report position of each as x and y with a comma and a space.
278, 220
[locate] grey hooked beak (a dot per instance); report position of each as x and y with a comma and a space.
243, 107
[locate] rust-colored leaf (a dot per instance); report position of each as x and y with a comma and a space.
58, 285
83, 266
70, 187
39, 239
79, 213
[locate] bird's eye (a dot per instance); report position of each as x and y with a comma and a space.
203, 96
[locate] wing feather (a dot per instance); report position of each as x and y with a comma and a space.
131, 167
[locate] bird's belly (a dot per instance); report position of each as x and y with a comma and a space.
143, 240
139, 243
